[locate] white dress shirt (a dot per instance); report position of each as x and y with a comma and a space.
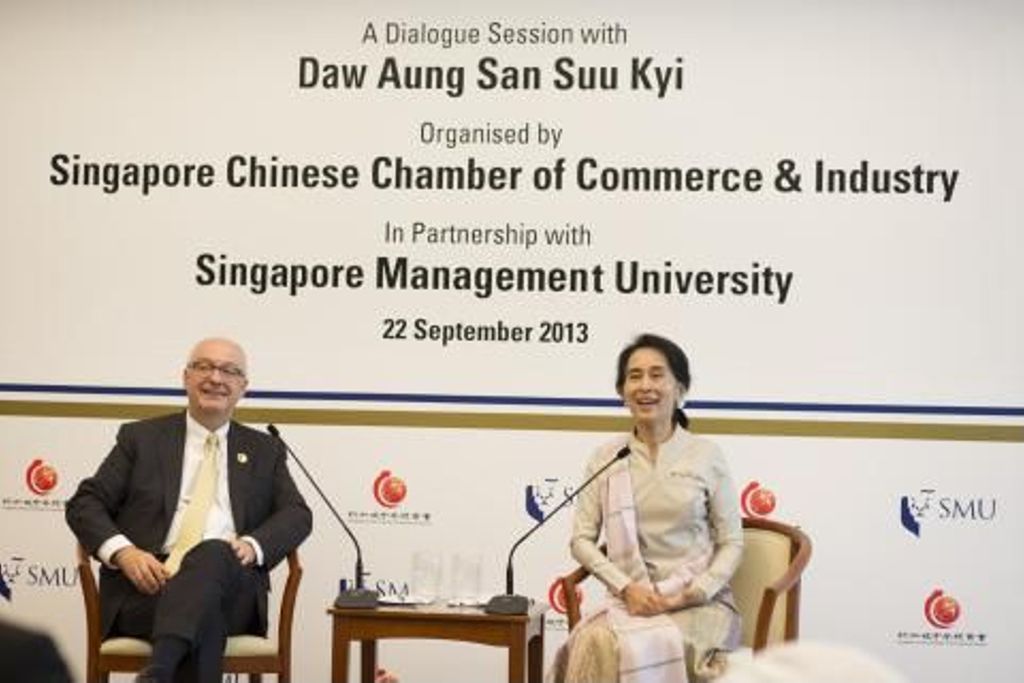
219, 522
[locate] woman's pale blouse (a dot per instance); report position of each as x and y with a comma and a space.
686, 506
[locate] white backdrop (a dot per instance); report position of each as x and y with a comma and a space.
902, 309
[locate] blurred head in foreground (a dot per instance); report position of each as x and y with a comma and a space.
808, 662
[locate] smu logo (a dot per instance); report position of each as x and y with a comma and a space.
19, 570
397, 591
388, 489
40, 477
542, 498
941, 610
926, 505
756, 500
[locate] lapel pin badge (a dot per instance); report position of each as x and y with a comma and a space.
242, 458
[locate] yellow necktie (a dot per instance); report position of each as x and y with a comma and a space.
193, 524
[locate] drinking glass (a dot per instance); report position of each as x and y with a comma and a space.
426, 576
466, 579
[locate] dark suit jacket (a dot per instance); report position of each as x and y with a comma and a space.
135, 492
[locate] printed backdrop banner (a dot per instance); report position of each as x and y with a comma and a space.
434, 228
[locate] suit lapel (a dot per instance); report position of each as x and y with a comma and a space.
238, 475
171, 457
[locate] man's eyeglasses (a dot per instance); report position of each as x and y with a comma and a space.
206, 368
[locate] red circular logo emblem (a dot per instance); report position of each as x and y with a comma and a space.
556, 596
941, 610
388, 489
757, 501
40, 477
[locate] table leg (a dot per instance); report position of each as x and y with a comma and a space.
535, 659
517, 657
368, 657
339, 655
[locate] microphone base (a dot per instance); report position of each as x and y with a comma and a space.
508, 604
356, 598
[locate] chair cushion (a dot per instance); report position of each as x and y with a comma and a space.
133, 647
238, 646
250, 646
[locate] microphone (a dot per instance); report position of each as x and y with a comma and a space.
352, 598
510, 603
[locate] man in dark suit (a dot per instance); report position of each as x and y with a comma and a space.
188, 513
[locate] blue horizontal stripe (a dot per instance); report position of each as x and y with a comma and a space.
554, 401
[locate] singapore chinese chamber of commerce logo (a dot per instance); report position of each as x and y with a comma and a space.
942, 625
757, 501
556, 596
927, 506
36, 490
40, 477
388, 489
941, 610
555, 619
389, 492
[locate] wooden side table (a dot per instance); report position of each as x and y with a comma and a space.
523, 635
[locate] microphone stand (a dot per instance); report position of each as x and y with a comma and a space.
510, 603
352, 598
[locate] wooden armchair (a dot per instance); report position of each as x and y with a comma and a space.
766, 584
251, 655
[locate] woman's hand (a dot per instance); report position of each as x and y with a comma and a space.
688, 597
642, 601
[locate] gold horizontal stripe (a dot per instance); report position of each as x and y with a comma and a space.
536, 421
922, 431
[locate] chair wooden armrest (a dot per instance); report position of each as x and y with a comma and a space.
787, 584
91, 599
287, 614
570, 583
572, 601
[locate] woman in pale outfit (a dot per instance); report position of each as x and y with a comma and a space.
670, 517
